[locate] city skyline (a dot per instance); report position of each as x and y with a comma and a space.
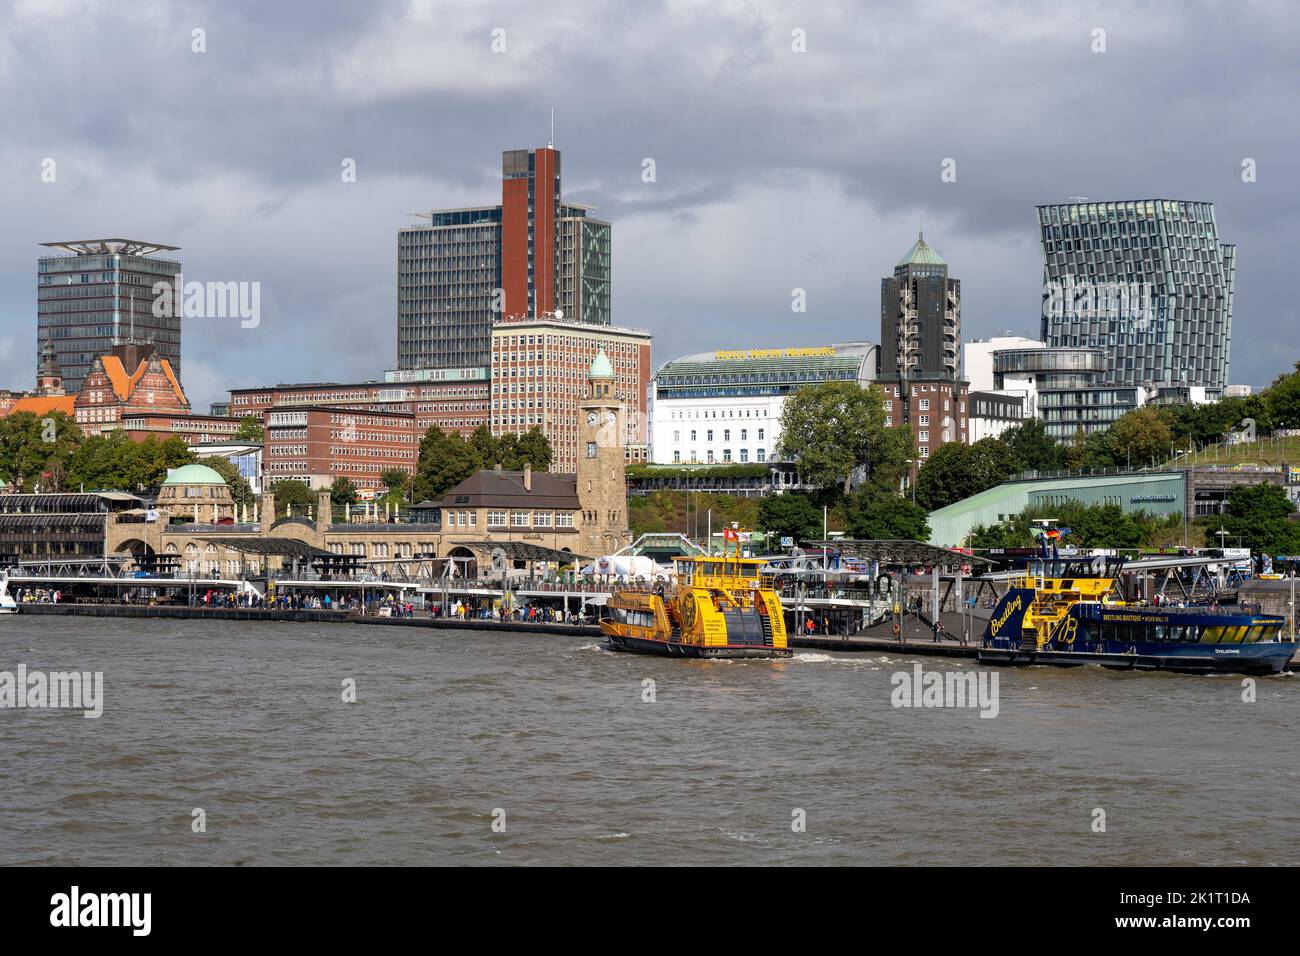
764, 182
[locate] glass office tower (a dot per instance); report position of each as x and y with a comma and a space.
99, 293
1149, 282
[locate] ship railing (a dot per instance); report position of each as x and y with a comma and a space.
1227, 609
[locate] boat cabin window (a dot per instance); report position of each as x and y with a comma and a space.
1233, 635
638, 618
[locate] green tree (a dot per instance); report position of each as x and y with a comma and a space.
1282, 400
790, 515
1035, 450
115, 462
240, 490
343, 494
886, 517
250, 430
445, 461
1013, 533
292, 492
991, 462
1075, 455
33, 446
486, 448
945, 477
396, 481
1099, 451
1099, 526
508, 452
1140, 436
1260, 516
535, 449
832, 428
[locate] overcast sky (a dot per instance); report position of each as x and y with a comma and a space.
775, 169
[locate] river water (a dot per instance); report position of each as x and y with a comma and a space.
552, 736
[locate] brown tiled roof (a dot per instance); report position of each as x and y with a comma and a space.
485, 489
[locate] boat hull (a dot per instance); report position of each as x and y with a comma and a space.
1262, 658
640, 645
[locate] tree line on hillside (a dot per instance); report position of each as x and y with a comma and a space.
1140, 438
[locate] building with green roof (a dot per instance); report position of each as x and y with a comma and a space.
725, 406
1156, 493
193, 475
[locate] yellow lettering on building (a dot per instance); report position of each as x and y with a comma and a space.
742, 355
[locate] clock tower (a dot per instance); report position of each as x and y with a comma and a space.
602, 487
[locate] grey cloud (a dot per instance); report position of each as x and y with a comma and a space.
234, 154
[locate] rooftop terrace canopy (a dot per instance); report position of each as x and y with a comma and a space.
125, 247
901, 553
522, 551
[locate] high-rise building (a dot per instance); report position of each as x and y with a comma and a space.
583, 292
447, 274
538, 371
1149, 282
99, 293
919, 365
920, 318
527, 258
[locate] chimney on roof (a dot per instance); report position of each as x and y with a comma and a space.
528, 476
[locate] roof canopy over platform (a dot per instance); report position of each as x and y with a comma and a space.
902, 553
522, 551
280, 547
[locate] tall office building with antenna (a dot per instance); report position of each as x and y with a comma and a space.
533, 256
93, 294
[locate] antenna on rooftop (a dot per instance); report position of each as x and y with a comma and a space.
551, 144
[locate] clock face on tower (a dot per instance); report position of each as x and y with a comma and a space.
611, 419
592, 418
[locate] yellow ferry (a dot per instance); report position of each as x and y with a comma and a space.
718, 607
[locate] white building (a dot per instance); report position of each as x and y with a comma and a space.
977, 358
725, 407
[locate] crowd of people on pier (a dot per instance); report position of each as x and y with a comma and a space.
519, 614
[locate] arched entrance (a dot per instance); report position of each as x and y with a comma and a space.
464, 568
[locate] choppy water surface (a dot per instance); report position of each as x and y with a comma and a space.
248, 723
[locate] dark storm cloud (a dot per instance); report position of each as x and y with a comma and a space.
775, 170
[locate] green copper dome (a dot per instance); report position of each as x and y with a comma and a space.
601, 367
194, 475
920, 254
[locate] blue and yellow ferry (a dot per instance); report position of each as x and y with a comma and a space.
1061, 612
